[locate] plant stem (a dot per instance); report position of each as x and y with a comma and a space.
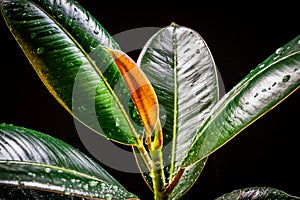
158, 176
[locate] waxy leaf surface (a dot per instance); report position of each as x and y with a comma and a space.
35, 161
260, 91
63, 43
182, 71
257, 193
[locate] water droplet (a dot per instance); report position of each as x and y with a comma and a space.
108, 197
157, 164
47, 170
40, 50
115, 187
279, 50
70, 22
92, 48
21, 183
60, 16
86, 187
286, 78
262, 65
117, 122
96, 32
67, 191
87, 18
93, 183
31, 174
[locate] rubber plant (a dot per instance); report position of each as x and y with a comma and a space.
74, 56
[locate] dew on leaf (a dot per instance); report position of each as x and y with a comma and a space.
86, 187
21, 183
103, 185
115, 187
286, 78
96, 32
40, 50
93, 183
31, 174
47, 170
108, 197
67, 191
70, 22
262, 65
279, 50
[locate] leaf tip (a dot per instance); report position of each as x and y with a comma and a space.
173, 24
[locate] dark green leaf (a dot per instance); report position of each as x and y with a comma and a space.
257, 193
181, 69
265, 87
33, 160
7, 192
61, 40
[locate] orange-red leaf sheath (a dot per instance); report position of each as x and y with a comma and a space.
142, 94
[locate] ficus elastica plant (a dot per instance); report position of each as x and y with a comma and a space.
166, 105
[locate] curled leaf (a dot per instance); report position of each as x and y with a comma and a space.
143, 96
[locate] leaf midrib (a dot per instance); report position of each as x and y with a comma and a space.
175, 113
52, 167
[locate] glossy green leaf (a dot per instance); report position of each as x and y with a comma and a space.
261, 90
181, 69
257, 193
7, 192
36, 161
62, 42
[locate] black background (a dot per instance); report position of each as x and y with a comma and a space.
239, 37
